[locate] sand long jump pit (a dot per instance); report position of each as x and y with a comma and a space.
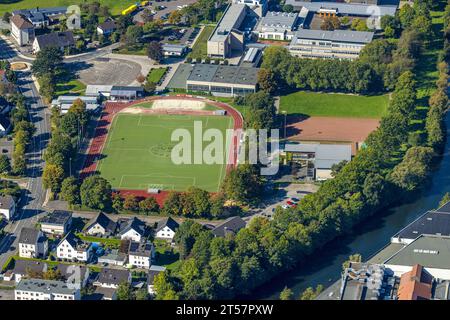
331, 129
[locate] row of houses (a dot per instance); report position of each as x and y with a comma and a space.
73, 279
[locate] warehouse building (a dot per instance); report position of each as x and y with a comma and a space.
318, 159
337, 44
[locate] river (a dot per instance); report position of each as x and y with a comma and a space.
325, 266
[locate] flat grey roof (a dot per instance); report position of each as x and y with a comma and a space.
57, 217
227, 22
44, 286
279, 20
224, 74
173, 47
359, 9
427, 250
335, 36
179, 78
432, 222
325, 154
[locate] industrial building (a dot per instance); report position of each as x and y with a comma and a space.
257, 6
337, 44
316, 160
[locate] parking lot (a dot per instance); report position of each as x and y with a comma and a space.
169, 6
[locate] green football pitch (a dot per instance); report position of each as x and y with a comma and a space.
137, 153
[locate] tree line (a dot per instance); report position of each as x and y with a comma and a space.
388, 168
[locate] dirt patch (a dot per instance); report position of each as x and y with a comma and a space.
110, 71
18, 66
331, 129
179, 104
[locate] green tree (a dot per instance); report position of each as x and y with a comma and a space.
310, 293
124, 291
48, 61
5, 164
133, 34
52, 177
141, 294
70, 190
266, 80
149, 205
286, 294
96, 192
154, 51
445, 199
130, 203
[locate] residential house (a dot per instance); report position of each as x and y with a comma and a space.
416, 284
32, 243
38, 289
140, 254
152, 273
101, 225
166, 229
22, 30
7, 207
337, 44
73, 248
107, 27
230, 226
113, 257
61, 40
132, 229
41, 17
75, 276
57, 222
112, 278
25, 269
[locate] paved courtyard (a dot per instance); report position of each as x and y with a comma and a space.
110, 71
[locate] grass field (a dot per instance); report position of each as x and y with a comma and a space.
138, 153
156, 74
116, 7
72, 87
334, 105
199, 50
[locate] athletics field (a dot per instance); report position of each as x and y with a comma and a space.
137, 153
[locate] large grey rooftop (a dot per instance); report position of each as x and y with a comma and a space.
359, 9
224, 74
227, 22
57, 217
279, 20
429, 251
348, 36
325, 154
44, 286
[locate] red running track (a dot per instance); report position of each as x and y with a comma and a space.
107, 116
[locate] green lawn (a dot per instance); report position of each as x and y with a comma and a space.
138, 153
106, 241
334, 105
199, 50
72, 87
115, 6
156, 74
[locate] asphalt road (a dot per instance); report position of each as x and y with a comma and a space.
30, 208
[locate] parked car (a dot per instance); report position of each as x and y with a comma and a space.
285, 206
